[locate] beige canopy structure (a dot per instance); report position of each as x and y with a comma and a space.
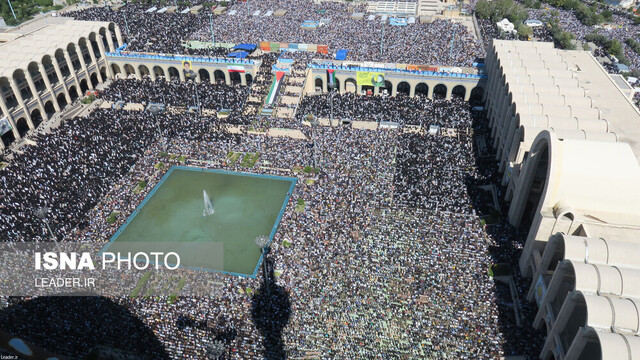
47, 65
567, 137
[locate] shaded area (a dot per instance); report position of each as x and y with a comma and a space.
270, 311
506, 244
73, 326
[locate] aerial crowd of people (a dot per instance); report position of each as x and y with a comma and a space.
388, 256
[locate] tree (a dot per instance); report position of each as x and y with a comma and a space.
524, 31
607, 15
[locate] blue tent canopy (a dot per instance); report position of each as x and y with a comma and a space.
238, 54
341, 54
247, 47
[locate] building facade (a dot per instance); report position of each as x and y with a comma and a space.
43, 71
565, 135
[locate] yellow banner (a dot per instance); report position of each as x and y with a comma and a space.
370, 78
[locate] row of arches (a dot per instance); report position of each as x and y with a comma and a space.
173, 74
59, 100
440, 91
62, 63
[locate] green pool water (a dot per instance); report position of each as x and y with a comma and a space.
246, 206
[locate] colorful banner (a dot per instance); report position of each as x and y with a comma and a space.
189, 74
235, 68
332, 77
370, 78
5, 126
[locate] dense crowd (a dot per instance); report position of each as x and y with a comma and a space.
418, 110
448, 43
211, 96
388, 259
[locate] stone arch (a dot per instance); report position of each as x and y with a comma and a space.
527, 200
94, 79
144, 70
219, 77
36, 117
422, 89
318, 83
74, 56
73, 92
93, 38
388, 88
158, 72
112, 30
249, 79
62, 63
83, 87
49, 108
403, 88
36, 76
458, 91
440, 91
129, 70
103, 34
204, 75
476, 95
103, 72
84, 50
116, 69
10, 97
47, 63
174, 74
350, 85
21, 82
62, 100
235, 78
8, 138
22, 126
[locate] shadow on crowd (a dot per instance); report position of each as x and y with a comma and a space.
515, 313
77, 327
270, 311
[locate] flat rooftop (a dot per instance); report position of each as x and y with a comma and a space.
540, 64
44, 36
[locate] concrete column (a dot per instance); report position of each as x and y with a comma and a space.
394, 89
103, 55
5, 110
32, 86
136, 69
448, 96
119, 37
430, 91
47, 83
324, 86
56, 66
358, 89
84, 67
73, 73
152, 75
227, 77
18, 95
412, 90
94, 61
110, 41
467, 94
243, 79
376, 90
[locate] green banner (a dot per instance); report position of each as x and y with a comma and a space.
370, 78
